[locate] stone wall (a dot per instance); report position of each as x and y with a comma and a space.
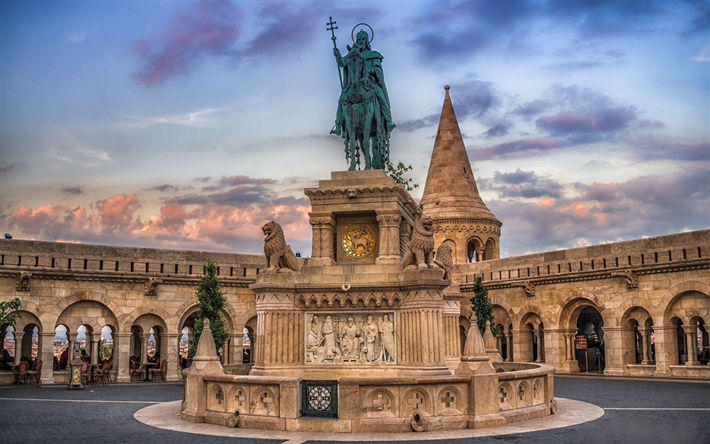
129, 289
642, 287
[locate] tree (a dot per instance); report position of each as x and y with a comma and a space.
211, 301
481, 305
8, 311
397, 174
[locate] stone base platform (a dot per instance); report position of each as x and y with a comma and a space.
570, 412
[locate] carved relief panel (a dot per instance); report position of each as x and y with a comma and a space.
351, 338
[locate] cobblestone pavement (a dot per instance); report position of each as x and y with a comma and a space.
641, 412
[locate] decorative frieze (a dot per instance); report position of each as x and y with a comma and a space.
350, 338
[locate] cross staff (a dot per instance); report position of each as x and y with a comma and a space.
332, 29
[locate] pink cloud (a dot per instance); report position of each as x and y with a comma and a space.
208, 28
603, 120
518, 148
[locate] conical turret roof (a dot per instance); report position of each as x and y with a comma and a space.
450, 191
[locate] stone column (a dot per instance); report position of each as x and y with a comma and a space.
46, 354
19, 335
237, 352
71, 342
523, 345
172, 342
511, 356
121, 356
691, 338
94, 338
666, 348
646, 333
614, 351
554, 347
322, 249
144, 347
540, 346
389, 238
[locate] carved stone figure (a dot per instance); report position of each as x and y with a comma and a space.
329, 340
421, 245
315, 351
444, 259
350, 339
278, 254
387, 332
370, 331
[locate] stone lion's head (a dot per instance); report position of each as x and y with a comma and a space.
271, 229
425, 224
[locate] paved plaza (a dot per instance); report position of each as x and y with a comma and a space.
635, 411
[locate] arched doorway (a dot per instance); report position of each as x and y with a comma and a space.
249, 342
589, 340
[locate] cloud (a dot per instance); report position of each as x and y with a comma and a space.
73, 190
603, 120
523, 184
69, 149
703, 55
518, 148
117, 211
162, 188
206, 225
529, 109
413, 125
473, 98
197, 118
575, 65
497, 128
648, 123
669, 148
606, 212
208, 29
701, 22
7, 169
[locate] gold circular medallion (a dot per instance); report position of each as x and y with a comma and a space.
358, 241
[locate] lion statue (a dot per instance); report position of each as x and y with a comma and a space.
421, 245
278, 254
444, 259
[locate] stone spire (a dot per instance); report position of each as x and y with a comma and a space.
451, 196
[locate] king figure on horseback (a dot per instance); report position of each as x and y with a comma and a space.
363, 119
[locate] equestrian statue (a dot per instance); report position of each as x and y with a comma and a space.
364, 120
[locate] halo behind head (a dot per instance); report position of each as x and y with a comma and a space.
372, 32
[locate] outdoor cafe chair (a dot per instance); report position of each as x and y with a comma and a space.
85, 373
104, 373
136, 370
162, 370
22, 371
34, 373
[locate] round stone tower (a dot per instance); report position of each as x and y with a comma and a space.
451, 197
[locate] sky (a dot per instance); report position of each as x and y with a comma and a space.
188, 125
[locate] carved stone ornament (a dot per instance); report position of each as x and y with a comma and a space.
529, 288
632, 280
350, 338
23, 282
421, 245
278, 254
151, 286
358, 241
